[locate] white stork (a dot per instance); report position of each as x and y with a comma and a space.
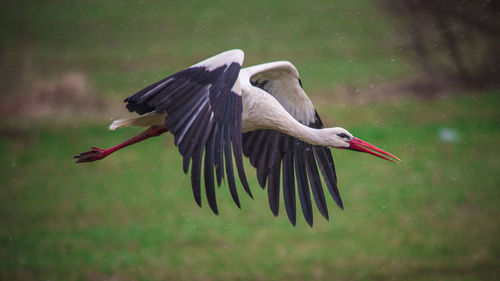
262, 112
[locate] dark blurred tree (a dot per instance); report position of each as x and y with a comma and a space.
453, 37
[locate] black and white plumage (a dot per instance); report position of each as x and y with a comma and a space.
218, 112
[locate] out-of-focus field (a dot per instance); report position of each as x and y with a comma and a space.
132, 216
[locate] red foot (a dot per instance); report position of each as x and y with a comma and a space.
92, 155
99, 153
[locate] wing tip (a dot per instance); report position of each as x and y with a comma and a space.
275, 211
338, 201
198, 201
341, 205
249, 194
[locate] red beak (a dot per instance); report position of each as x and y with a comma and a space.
363, 146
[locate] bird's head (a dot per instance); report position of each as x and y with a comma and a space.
341, 138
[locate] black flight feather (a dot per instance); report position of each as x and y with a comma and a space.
289, 179
315, 180
273, 188
302, 185
208, 173
229, 159
219, 162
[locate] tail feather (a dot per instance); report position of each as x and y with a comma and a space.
146, 120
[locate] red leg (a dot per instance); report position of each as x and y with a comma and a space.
99, 153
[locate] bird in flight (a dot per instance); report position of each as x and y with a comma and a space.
219, 111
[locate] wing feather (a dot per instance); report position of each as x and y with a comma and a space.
273, 189
315, 180
289, 179
208, 172
302, 185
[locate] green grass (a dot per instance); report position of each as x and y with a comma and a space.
132, 216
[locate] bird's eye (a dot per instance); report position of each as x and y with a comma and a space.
343, 135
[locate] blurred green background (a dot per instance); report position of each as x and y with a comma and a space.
67, 65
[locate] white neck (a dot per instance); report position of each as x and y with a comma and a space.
304, 133
271, 115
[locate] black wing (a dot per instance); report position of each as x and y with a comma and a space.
276, 155
204, 114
